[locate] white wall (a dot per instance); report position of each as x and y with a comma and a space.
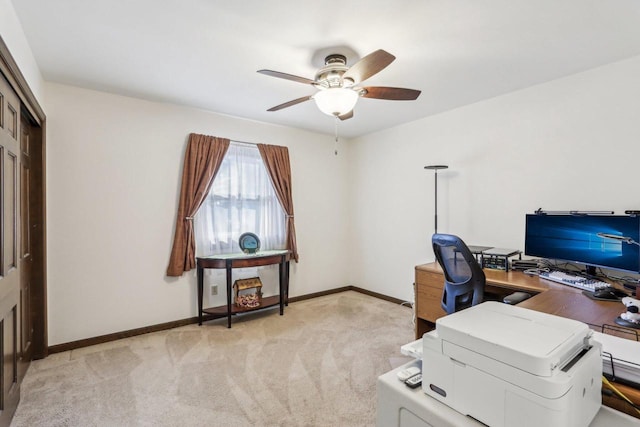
16, 41
114, 170
570, 144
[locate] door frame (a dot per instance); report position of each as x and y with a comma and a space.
16, 79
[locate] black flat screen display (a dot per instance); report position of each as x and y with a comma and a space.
581, 239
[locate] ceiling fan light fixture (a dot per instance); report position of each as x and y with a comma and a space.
336, 101
339, 85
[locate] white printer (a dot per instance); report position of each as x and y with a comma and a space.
509, 366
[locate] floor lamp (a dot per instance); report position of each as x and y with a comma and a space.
436, 168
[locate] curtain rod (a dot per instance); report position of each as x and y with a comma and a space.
243, 142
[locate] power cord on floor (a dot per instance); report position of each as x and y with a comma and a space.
413, 308
413, 312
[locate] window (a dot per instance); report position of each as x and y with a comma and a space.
241, 199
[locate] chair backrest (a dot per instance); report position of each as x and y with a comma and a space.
464, 279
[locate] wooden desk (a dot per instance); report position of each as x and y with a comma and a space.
548, 297
231, 261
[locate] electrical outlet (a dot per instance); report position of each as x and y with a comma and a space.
214, 289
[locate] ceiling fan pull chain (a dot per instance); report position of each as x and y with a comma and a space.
335, 149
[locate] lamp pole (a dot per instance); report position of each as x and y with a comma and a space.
436, 168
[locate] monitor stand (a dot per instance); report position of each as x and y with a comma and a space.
590, 270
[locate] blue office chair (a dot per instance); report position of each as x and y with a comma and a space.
464, 279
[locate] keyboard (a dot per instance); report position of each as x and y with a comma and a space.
579, 282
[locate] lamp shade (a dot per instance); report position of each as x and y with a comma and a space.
336, 101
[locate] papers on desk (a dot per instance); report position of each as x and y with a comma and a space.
620, 357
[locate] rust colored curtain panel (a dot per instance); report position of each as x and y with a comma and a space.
202, 160
276, 160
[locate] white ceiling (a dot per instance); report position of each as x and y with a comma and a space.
205, 53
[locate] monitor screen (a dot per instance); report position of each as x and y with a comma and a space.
596, 240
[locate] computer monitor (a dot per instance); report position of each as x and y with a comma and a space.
607, 241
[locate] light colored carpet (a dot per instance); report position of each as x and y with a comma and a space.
315, 366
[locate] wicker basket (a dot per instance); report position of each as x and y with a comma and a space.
247, 293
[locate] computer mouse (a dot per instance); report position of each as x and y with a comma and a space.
611, 294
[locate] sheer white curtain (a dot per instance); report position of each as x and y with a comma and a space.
241, 199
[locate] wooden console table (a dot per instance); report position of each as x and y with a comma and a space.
547, 297
240, 260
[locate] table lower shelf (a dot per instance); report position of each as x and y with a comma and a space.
221, 311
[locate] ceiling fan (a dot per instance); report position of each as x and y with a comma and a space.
339, 85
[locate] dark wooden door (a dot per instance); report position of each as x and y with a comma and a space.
10, 315
26, 243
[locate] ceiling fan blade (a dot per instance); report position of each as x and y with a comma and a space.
391, 93
290, 103
369, 65
287, 76
346, 116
